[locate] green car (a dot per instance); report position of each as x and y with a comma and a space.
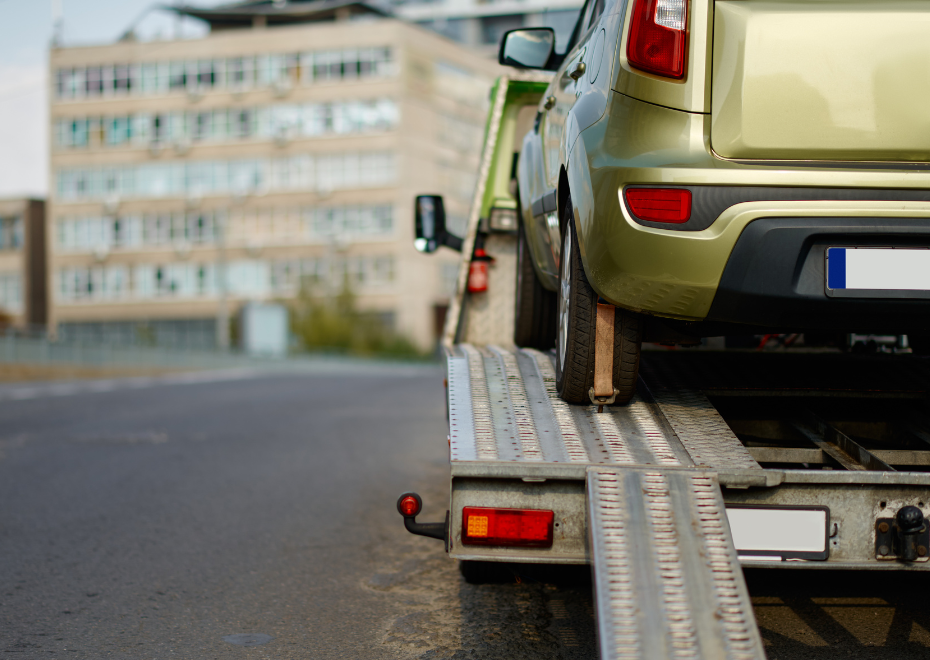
724, 167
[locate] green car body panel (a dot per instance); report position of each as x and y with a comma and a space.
829, 98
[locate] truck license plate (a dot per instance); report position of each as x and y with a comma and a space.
775, 533
878, 269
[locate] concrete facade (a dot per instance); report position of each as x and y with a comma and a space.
23, 292
278, 155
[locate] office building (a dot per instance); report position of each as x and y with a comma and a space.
281, 153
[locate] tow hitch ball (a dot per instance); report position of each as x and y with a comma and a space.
905, 537
409, 506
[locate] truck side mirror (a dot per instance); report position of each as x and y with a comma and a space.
430, 225
528, 48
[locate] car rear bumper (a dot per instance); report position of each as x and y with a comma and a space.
775, 277
759, 264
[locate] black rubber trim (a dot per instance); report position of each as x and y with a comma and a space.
708, 202
775, 277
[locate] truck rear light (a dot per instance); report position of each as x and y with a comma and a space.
409, 506
659, 37
672, 205
528, 528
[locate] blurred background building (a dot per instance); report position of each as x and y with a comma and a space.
23, 291
481, 23
283, 149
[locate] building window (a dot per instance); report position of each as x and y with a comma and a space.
119, 131
374, 62
350, 222
220, 125
96, 283
207, 74
11, 233
122, 79
242, 123
331, 273
182, 178
202, 125
233, 73
154, 78
326, 66
93, 84
177, 76
11, 292
240, 72
85, 234
74, 133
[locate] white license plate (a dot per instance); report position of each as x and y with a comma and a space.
878, 269
780, 532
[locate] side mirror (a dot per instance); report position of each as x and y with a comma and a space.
528, 48
430, 225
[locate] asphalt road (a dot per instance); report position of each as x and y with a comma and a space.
247, 515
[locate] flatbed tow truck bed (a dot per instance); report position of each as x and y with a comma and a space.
641, 491
722, 460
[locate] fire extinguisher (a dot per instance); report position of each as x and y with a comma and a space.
478, 272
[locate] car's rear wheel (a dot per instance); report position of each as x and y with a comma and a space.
574, 364
534, 305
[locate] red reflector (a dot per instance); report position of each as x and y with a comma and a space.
671, 205
521, 527
659, 37
409, 506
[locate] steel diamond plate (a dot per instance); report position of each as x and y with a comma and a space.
668, 583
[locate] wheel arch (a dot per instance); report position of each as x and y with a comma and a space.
575, 180
562, 193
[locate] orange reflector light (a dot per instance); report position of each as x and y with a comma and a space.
518, 527
672, 205
409, 506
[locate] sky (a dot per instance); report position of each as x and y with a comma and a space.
25, 35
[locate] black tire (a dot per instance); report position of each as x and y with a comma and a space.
919, 343
534, 305
577, 309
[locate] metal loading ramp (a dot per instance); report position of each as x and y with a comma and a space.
506, 419
667, 579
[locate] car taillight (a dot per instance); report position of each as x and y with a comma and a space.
659, 37
517, 527
672, 205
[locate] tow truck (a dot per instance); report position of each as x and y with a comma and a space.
722, 460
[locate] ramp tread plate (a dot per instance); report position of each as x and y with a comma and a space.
704, 434
699, 427
668, 583
517, 416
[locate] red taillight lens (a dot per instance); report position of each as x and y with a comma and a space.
659, 37
409, 506
519, 527
672, 205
